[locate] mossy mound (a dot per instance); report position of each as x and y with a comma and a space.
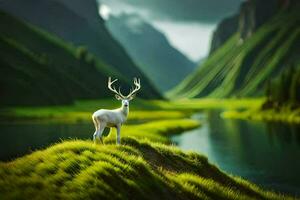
137, 169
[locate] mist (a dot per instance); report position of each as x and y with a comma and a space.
189, 32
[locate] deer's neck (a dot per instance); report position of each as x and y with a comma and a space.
125, 111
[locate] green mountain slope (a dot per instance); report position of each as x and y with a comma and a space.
38, 68
79, 23
241, 67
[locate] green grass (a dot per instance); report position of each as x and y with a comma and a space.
209, 103
140, 110
138, 169
157, 131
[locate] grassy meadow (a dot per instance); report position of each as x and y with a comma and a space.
145, 110
139, 109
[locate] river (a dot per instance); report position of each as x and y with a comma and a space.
267, 154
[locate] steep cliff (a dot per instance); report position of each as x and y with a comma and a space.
225, 29
252, 14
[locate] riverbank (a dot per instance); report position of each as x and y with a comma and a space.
140, 110
143, 111
245, 109
283, 114
81, 111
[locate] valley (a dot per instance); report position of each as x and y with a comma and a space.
226, 127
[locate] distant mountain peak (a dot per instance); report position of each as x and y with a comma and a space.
150, 49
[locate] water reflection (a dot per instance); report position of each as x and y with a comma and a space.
19, 139
284, 133
265, 153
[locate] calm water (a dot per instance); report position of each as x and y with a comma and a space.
267, 154
19, 139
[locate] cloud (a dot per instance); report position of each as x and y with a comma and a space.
104, 11
192, 39
206, 11
188, 24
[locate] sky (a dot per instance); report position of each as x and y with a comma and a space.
187, 24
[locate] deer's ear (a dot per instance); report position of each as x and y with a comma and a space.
118, 97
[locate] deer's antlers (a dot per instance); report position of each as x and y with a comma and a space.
136, 82
113, 89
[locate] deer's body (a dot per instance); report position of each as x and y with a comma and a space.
113, 118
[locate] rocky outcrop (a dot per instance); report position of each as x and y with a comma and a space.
225, 29
252, 14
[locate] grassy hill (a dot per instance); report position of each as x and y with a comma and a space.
79, 23
241, 67
38, 68
138, 169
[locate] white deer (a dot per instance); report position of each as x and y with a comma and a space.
114, 118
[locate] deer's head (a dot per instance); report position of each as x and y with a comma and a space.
119, 96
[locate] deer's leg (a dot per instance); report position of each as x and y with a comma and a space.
96, 128
101, 128
118, 134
